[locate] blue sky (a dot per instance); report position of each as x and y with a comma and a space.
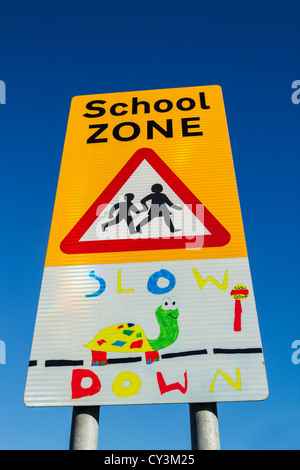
52, 51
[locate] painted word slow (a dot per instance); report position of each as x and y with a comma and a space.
154, 280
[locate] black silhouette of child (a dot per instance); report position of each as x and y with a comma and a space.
158, 208
125, 209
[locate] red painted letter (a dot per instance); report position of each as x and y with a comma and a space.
164, 388
77, 390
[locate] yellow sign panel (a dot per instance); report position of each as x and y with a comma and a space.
146, 176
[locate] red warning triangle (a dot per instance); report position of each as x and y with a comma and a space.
77, 242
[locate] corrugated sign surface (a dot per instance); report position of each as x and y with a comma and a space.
147, 294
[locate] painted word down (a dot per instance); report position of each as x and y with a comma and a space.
121, 389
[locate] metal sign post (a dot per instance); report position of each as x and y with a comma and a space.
84, 428
204, 426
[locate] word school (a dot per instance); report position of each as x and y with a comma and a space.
130, 130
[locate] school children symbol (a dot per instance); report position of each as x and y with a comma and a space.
145, 207
160, 206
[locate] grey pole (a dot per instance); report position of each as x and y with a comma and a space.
204, 426
85, 427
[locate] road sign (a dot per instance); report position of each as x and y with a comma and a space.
147, 294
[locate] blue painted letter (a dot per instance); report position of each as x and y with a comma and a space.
153, 279
101, 288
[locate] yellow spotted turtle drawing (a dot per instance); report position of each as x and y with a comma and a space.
130, 338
